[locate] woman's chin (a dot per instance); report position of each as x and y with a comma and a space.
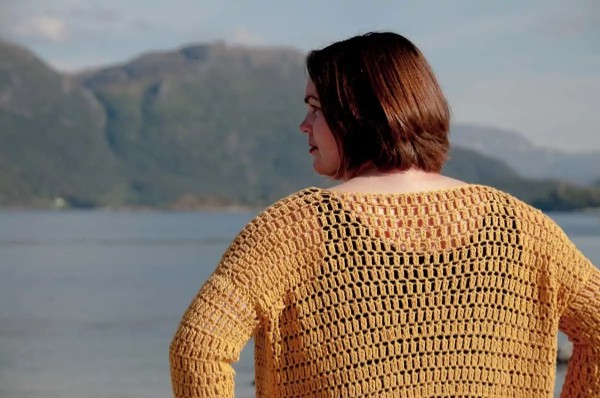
324, 171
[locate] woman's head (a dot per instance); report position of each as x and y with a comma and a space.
381, 103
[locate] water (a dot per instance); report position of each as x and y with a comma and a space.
89, 301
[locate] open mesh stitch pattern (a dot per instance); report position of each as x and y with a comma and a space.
451, 293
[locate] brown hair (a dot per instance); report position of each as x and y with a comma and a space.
382, 103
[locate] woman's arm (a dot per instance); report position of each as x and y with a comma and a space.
581, 322
214, 329
248, 282
579, 301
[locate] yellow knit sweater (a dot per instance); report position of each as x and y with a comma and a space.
456, 292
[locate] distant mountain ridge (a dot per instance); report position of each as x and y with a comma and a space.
531, 160
204, 125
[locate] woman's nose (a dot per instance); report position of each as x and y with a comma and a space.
304, 126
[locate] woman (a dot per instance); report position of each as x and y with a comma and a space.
398, 281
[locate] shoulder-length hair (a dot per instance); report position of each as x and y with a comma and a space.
382, 103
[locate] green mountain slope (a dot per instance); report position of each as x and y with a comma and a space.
207, 120
52, 134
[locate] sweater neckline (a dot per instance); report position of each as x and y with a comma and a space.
450, 192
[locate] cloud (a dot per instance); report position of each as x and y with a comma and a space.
96, 13
553, 111
42, 27
248, 38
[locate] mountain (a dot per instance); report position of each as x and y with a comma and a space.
52, 134
545, 194
202, 125
207, 120
532, 161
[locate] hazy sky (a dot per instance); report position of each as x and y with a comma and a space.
532, 66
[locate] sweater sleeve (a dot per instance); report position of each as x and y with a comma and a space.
231, 305
579, 301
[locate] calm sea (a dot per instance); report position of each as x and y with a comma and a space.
89, 301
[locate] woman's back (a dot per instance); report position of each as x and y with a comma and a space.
453, 292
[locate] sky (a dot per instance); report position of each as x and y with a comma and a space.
531, 67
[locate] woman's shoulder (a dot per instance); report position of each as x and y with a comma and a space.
297, 206
531, 220
517, 206
296, 201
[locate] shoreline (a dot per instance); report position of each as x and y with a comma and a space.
209, 208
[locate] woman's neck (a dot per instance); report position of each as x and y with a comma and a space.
412, 180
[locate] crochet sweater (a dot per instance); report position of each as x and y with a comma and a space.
455, 292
